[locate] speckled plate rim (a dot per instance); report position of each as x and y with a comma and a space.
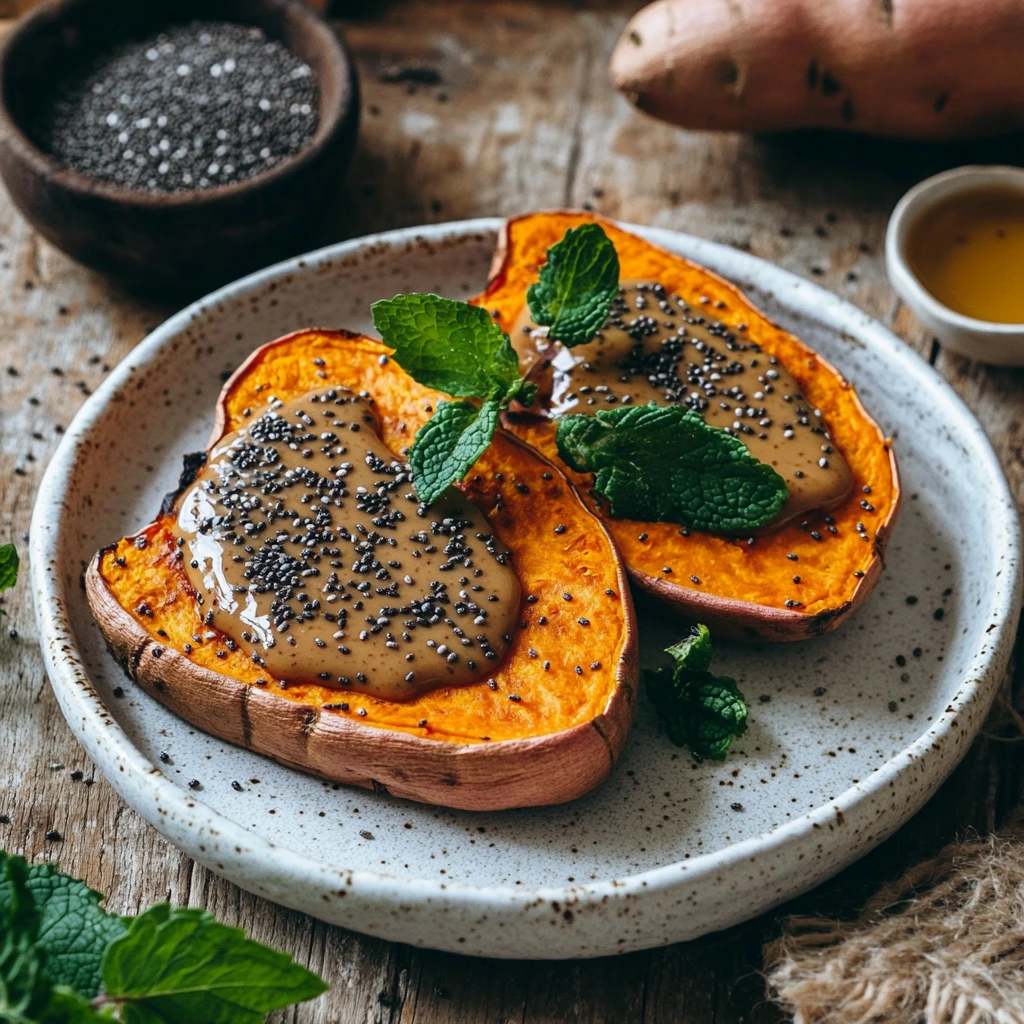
225, 846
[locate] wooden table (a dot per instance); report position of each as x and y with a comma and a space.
522, 118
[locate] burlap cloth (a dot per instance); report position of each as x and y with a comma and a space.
942, 944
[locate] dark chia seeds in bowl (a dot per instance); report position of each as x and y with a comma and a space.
196, 106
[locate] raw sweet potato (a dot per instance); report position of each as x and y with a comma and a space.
741, 588
929, 69
572, 664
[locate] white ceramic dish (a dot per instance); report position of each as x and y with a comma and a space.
988, 342
666, 849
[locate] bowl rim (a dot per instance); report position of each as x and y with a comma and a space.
48, 167
181, 816
923, 196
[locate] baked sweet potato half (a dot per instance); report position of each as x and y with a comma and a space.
790, 582
544, 726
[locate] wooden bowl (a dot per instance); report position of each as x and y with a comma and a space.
187, 241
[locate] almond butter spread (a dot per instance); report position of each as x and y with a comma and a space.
308, 548
655, 347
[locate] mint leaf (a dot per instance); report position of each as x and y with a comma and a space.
67, 1007
718, 713
693, 652
658, 463
449, 443
179, 966
164, 967
458, 349
16, 903
24, 988
576, 286
447, 345
27, 991
524, 392
8, 567
699, 710
73, 929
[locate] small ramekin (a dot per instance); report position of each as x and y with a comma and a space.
986, 341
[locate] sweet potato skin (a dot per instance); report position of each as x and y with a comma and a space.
738, 589
479, 750
927, 69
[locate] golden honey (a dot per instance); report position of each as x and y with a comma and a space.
968, 252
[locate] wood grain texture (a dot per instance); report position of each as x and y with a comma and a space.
522, 118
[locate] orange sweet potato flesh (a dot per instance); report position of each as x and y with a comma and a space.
479, 750
739, 590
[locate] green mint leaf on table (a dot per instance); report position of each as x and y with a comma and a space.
449, 443
16, 902
699, 710
28, 994
8, 567
164, 967
447, 345
73, 929
576, 286
658, 463
67, 1007
179, 966
458, 349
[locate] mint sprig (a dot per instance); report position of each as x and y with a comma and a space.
179, 964
652, 463
658, 463
65, 960
449, 443
458, 349
577, 284
447, 345
28, 992
699, 710
73, 929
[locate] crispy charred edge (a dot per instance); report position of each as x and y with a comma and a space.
528, 772
733, 619
192, 463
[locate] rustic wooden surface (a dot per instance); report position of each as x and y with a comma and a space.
522, 118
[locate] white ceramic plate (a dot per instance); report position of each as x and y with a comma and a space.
846, 742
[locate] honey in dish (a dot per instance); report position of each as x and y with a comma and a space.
968, 251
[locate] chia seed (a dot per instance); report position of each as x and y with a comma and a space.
199, 105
